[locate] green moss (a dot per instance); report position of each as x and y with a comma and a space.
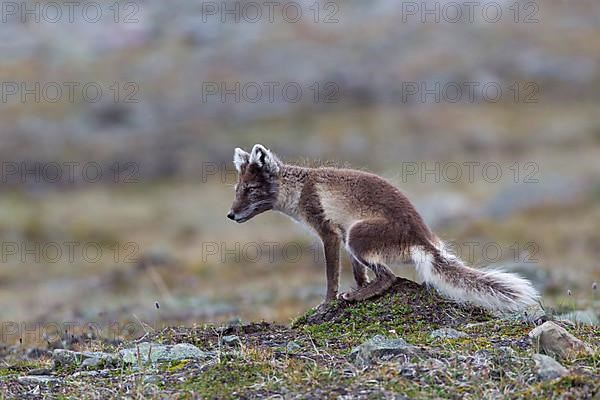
229, 378
361, 321
21, 367
174, 366
6, 372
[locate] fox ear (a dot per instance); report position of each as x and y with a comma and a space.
240, 159
263, 158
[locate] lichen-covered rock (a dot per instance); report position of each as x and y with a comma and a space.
447, 333
38, 380
548, 368
95, 374
380, 348
63, 357
554, 340
152, 353
92, 363
85, 359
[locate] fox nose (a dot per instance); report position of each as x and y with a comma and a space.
231, 215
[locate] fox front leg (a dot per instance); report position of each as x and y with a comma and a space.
331, 245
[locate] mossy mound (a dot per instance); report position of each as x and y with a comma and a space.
407, 309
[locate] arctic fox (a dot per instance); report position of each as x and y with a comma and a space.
374, 221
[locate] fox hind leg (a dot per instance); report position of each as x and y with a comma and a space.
360, 273
366, 241
384, 280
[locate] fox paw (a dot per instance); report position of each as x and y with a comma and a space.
345, 296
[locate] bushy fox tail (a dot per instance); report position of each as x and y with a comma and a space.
496, 291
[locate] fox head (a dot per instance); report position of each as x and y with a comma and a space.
257, 185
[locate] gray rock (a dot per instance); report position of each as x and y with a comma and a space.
231, 340
91, 363
152, 353
447, 333
379, 348
37, 379
100, 373
40, 371
85, 359
554, 340
64, 358
548, 368
78, 374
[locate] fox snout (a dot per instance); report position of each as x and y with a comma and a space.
232, 216
239, 218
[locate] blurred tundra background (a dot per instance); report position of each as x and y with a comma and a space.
119, 120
